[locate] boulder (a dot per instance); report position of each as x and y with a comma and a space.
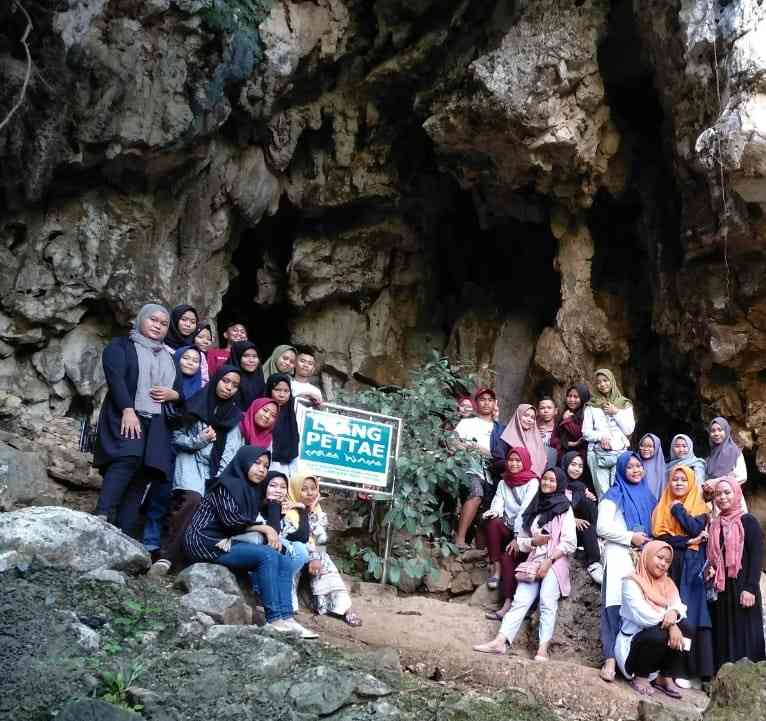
738, 692
200, 576
326, 690
62, 538
222, 607
275, 657
93, 709
24, 480
104, 575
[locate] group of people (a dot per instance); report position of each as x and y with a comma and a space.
671, 542
198, 449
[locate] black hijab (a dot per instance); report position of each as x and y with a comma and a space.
222, 415
247, 495
584, 392
577, 487
252, 385
547, 505
284, 442
174, 338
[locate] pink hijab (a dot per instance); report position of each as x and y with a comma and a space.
727, 561
515, 436
254, 434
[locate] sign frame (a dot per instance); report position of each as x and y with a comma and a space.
394, 423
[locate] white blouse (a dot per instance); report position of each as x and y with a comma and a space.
596, 424
510, 503
618, 562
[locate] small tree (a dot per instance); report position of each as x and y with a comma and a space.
428, 463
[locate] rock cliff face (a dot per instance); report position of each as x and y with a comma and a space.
538, 188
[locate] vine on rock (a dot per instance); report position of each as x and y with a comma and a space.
430, 470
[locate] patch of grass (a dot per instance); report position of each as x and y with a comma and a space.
116, 684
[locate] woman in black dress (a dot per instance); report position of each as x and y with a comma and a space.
735, 555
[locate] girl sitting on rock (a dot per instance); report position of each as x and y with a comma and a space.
232, 507
549, 537
329, 592
208, 439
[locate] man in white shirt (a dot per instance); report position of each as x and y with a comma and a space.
475, 433
306, 394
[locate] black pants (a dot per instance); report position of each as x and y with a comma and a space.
649, 652
182, 507
587, 538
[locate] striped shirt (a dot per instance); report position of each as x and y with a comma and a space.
217, 517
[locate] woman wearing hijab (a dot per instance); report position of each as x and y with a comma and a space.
182, 328
735, 559
519, 485
244, 356
624, 522
682, 454
548, 535
679, 519
653, 628
282, 360
329, 592
232, 507
725, 457
607, 425
258, 422
522, 431
653, 460
585, 511
202, 339
133, 444
187, 360
567, 434
284, 455
207, 440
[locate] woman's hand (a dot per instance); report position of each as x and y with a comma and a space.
590, 496
272, 537
512, 548
545, 566
490, 514
676, 503
566, 414
701, 538
639, 539
670, 618
161, 395
224, 544
708, 486
746, 599
610, 409
540, 539
315, 567
606, 442
130, 426
208, 434
675, 638
581, 524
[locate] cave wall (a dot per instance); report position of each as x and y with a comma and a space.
536, 187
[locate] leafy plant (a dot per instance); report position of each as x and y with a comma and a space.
115, 685
131, 619
430, 468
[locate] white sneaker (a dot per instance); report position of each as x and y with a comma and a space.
302, 630
683, 683
159, 568
282, 625
596, 572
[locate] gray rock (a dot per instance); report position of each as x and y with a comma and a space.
192, 625
325, 691
63, 538
274, 655
104, 575
93, 709
192, 6
87, 638
484, 597
81, 355
224, 608
208, 575
24, 479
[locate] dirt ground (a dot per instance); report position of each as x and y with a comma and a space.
434, 640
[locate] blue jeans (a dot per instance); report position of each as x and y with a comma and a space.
297, 555
272, 572
157, 508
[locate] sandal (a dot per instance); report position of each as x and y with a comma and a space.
492, 583
640, 689
486, 648
667, 691
607, 676
352, 619
493, 616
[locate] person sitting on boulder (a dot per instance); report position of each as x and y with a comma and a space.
653, 637
232, 507
549, 537
209, 437
330, 595
133, 443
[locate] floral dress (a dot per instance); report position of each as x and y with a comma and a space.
329, 590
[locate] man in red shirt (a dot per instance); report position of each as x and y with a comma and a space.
216, 357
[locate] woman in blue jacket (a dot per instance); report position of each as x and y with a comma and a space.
133, 444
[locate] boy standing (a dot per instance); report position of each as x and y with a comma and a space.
216, 357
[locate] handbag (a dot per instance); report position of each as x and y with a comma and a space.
604, 458
526, 571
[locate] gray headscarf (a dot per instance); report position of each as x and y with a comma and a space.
696, 464
155, 365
